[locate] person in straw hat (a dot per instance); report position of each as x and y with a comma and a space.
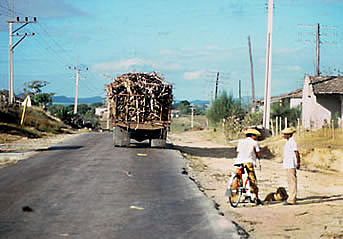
291, 162
247, 152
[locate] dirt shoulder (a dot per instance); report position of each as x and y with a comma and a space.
14, 151
318, 213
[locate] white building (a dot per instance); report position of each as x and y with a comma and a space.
100, 111
322, 100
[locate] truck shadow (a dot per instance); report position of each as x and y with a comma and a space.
60, 148
139, 145
217, 152
207, 152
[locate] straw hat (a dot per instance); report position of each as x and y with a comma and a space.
288, 130
252, 131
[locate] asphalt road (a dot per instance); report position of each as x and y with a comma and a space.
85, 188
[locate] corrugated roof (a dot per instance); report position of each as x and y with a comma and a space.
327, 84
293, 94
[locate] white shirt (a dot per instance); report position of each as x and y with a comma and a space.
246, 150
289, 156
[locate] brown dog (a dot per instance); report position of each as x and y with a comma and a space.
280, 195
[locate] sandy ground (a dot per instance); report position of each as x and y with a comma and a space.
11, 153
319, 209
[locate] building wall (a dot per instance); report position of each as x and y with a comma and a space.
330, 103
295, 102
317, 108
321, 111
307, 100
100, 111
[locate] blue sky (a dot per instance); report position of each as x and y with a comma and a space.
185, 41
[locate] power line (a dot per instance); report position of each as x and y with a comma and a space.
61, 53
55, 42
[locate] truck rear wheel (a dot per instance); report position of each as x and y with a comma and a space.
121, 137
161, 141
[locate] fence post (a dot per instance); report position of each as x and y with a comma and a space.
280, 124
333, 129
298, 126
271, 122
286, 122
277, 126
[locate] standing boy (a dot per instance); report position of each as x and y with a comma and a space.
291, 162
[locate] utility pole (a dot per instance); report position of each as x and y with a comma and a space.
239, 90
11, 46
268, 72
77, 69
317, 50
216, 92
108, 114
251, 74
192, 117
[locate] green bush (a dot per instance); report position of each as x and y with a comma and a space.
223, 107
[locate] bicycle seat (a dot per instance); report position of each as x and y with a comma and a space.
240, 165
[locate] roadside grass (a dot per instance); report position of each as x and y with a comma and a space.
210, 133
182, 124
36, 124
324, 137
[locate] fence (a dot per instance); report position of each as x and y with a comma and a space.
329, 129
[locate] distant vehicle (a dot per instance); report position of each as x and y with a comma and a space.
140, 108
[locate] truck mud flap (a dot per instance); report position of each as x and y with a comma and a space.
121, 137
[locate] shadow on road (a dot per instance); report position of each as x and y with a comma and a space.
60, 148
207, 152
319, 199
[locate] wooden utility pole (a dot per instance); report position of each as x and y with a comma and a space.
251, 73
78, 70
192, 118
239, 90
268, 73
317, 50
108, 114
216, 92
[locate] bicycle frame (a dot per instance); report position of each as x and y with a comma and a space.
244, 184
240, 174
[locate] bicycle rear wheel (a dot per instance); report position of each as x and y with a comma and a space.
236, 192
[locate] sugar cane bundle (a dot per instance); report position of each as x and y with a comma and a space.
140, 97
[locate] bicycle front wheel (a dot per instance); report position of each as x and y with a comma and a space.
236, 193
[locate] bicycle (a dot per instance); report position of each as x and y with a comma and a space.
239, 185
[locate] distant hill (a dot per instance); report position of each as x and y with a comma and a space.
195, 102
200, 102
71, 100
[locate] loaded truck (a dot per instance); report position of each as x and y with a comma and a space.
140, 108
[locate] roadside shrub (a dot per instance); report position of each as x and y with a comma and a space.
223, 107
234, 125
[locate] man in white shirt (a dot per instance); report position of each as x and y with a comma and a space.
247, 152
291, 162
